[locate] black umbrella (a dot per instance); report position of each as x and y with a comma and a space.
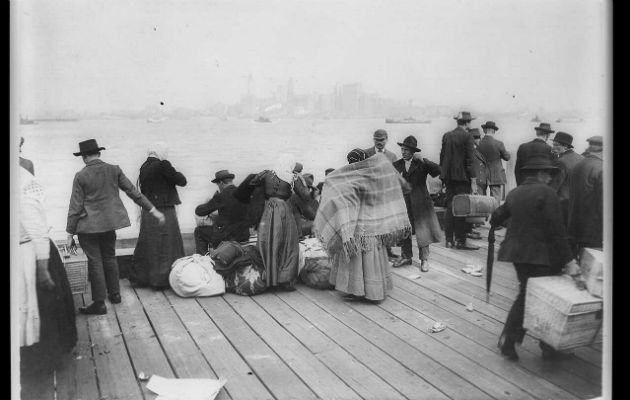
489, 262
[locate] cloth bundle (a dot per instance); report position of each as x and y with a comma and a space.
361, 208
195, 276
314, 263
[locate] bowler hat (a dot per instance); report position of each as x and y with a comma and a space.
220, 175
490, 125
87, 147
380, 134
539, 161
545, 127
475, 133
563, 138
464, 115
595, 140
410, 142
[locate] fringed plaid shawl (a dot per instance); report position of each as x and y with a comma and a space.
362, 206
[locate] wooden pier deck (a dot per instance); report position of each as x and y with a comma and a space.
312, 344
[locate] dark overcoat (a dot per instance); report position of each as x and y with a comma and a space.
419, 204
481, 168
586, 203
525, 151
157, 181
370, 151
565, 163
232, 219
494, 151
95, 204
535, 232
457, 156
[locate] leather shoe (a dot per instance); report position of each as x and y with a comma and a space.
401, 262
94, 309
465, 246
450, 244
424, 266
115, 298
508, 350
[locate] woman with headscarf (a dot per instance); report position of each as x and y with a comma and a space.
158, 246
361, 212
278, 238
46, 307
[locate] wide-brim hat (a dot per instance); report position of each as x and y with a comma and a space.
464, 115
194, 276
545, 127
223, 174
595, 140
88, 147
410, 142
539, 162
490, 125
564, 138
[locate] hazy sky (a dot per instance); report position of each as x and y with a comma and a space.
101, 55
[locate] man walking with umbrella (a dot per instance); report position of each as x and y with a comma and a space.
536, 242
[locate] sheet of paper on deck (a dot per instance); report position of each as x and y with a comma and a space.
185, 389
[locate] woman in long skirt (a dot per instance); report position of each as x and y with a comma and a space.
158, 245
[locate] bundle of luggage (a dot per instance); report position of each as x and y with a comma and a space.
241, 267
314, 268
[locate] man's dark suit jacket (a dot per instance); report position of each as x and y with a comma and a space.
370, 151
232, 218
457, 156
158, 180
494, 151
565, 162
526, 150
95, 204
586, 201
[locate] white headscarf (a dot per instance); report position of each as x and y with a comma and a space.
158, 150
284, 167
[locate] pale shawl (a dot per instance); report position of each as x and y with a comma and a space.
361, 208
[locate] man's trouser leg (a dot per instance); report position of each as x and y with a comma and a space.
460, 226
496, 192
203, 237
406, 249
107, 242
93, 249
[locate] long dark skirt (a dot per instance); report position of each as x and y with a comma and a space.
58, 331
156, 250
278, 243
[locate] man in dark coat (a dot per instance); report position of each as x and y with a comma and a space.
94, 214
424, 222
480, 163
232, 221
536, 146
566, 161
380, 140
458, 174
586, 198
494, 151
536, 242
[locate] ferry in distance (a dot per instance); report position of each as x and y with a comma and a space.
408, 120
262, 119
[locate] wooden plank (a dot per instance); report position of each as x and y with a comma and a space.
224, 359
115, 373
280, 380
147, 356
486, 357
181, 351
407, 381
322, 381
407, 344
366, 383
465, 324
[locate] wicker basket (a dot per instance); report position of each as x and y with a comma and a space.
560, 314
76, 270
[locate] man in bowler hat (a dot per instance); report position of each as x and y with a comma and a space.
537, 146
536, 242
566, 161
494, 151
95, 213
458, 175
231, 222
380, 140
424, 222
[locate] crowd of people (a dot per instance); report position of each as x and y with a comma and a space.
358, 213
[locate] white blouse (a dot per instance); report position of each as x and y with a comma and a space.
33, 224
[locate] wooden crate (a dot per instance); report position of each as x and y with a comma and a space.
592, 264
472, 205
76, 270
560, 314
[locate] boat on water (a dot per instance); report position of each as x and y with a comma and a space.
535, 119
408, 120
570, 119
262, 119
27, 121
153, 120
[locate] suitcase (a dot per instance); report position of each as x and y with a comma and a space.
592, 264
560, 314
476, 208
